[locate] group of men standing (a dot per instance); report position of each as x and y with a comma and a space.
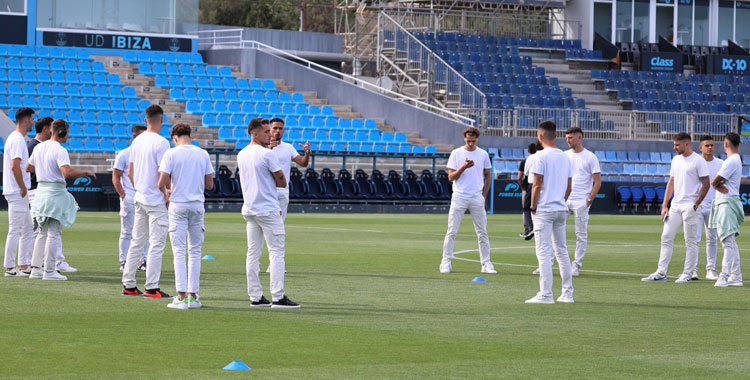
558, 184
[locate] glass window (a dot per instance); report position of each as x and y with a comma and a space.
146, 16
700, 25
13, 6
624, 21
603, 19
684, 23
742, 33
641, 22
726, 22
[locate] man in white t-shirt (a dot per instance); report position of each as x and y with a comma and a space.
727, 213
587, 180
187, 169
151, 220
53, 207
469, 169
16, 184
260, 175
714, 164
688, 181
125, 190
553, 174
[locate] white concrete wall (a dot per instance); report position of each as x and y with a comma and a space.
582, 11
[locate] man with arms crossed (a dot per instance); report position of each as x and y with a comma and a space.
260, 175
552, 172
469, 170
523, 183
587, 180
714, 164
727, 213
188, 169
125, 190
286, 154
151, 219
688, 181
16, 183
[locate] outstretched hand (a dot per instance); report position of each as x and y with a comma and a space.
306, 147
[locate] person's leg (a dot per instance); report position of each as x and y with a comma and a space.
158, 221
691, 222
252, 267
178, 231
37, 260
479, 216
456, 213
544, 251
26, 244
731, 253
140, 234
54, 241
581, 219
127, 216
673, 224
195, 240
273, 232
561, 251
16, 226
284, 204
711, 242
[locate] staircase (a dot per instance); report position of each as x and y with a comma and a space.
578, 80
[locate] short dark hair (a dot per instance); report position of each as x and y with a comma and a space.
733, 139
706, 138
549, 129
573, 130
682, 136
531, 148
59, 126
539, 146
255, 124
181, 129
153, 111
41, 123
139, 128
24, 112
471, 131
277, 120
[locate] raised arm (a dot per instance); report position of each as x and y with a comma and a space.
303, 160
453, 175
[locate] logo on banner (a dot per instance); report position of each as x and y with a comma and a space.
661, 62
83, 185
733, 64
61, 39
82, 181
512, 187
512, 190
174, 44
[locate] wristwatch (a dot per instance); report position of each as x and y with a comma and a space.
695, 207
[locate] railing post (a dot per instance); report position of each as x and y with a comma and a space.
515, 122
691, 126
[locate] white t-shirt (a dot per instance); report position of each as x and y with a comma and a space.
47, 159
713, 168
146, 153
731, 170
584, 165
188, 165
15, 147
285, 152
122, 162
471, 182
256, 165
687, 172
527, 167
555, 166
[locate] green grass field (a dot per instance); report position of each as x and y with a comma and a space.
375, 306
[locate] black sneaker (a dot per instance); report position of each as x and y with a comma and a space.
142, 267
263, 301
285, 303
155, 293
529, 236
131, 292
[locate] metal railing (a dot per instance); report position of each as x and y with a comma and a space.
229, 39
540, 25
421, 72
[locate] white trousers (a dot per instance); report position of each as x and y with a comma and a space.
478, 215
730, 265
268, 227
48, 243
284, 203
151, 224
711, 241
549, 237
20, 239
580, 212
127, 216
681, 215
60, 257
186, 227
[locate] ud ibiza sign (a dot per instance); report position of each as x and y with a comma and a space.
661, 61
729, 64
116, 40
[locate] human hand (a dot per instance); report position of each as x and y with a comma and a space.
306, 147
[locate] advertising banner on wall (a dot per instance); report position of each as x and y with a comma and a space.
666, 62
508, 198
729, 64
114, 40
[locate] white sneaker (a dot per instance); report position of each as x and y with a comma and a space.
53, 276
177, 304
488, 268
721, 282
734, 281
694, 275
683, 279
445, 267
656, 276
565, 298
574, 271
712, 275
66, 268
194, 303
24, 272
36, 273
536, 271
541, 299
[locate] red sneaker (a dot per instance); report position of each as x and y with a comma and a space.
131, 292
155, 293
